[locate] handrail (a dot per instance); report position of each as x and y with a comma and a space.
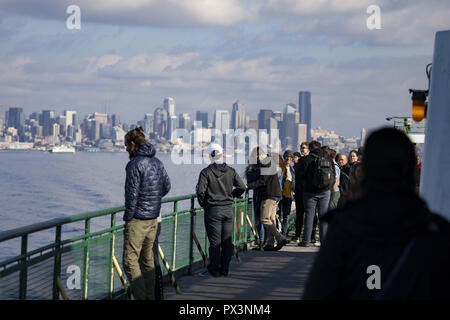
17, 232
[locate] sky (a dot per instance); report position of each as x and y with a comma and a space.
206, 54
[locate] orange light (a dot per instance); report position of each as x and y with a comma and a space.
419, 110
419, 104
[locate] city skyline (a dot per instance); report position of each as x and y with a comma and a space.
207, 55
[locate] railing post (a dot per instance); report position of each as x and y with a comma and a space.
111, 255
57, 264
175, 228
191, 240
87, 228
24, 269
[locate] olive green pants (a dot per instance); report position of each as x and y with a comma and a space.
138, 259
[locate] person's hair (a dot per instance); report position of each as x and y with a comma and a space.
282, 165
138, 137
297, 154
314, 145
304, 143
333, 154
350, 154
389, 161
326, 149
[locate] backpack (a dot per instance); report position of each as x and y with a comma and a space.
324, 175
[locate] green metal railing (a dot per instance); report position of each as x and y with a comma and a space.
82, 267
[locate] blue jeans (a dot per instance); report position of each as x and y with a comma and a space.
257, 200
321, 201
285, 210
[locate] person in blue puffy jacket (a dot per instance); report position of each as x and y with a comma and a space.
146, 183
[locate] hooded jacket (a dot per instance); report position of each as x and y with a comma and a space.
376, 230
270, 185
215, 185
146, 183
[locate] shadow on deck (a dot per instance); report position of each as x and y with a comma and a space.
260, 275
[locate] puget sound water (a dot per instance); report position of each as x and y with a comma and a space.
37, 186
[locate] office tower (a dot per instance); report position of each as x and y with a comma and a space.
203, 117
304, 107
160, 122
169, 106
301, 134
48, 119
185, 121
105, 131
289, 128
277, 115
55, 129
62, 121
171, 126
16, 119
263, 117
221, 120
238, 116
1, 124
253, 124
290, 108
148, 123
115, 121
100, 117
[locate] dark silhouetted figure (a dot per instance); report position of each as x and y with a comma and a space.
385, 244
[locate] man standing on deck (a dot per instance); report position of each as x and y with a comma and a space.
215, 194
146, 183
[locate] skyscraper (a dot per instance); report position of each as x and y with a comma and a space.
263, 116
304, 107
221, 120
148, 123
16, 119
203, 117
160, 121
169, 106
185, 121
171, 126
238, 116
48, 119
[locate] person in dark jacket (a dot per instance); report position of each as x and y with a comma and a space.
271, 195
146, 183
287, 190
385, 244
216, 195
252, 173
313, 196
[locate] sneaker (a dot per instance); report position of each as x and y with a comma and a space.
296, 239
305, 244
317, 244
281, 244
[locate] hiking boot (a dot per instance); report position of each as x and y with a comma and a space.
281, 244
268, 248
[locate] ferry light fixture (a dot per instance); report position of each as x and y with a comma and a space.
419, 99
419, 104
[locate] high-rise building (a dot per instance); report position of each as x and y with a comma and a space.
172, 126
1, 125
221, 120
48, 119
290, 108
301, 134
160, 122
16, 119
263, 116
185, 121
148, 123
304, 107
169, 106
289, 129
238, 116
115, 121
203, 117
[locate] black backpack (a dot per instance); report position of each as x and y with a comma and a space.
324, 174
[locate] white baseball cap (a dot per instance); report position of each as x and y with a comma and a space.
215, 147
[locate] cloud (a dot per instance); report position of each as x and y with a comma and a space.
346, 96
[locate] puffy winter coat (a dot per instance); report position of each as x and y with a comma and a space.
146, 183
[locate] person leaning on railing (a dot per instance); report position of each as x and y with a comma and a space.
146, 183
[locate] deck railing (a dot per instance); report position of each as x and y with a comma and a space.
83, 265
